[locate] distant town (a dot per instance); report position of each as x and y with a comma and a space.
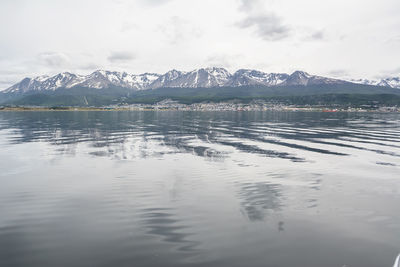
169, 104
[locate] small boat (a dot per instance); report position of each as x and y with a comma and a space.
397, 261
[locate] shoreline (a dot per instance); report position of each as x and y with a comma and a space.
281, 109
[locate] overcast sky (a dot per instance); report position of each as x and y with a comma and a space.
337, 38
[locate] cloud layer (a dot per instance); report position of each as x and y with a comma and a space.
266, 23
330, 37
120, 56
53, 59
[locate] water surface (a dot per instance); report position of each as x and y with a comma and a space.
199, 189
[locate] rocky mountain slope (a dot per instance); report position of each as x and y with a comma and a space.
199, 78
98, 79
393, 82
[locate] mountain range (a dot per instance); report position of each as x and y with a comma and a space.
199, 78
204, 77
204, 83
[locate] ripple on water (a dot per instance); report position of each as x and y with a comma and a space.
199, 188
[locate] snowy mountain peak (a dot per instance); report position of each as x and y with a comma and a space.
204, 77
300, 73
217, 71
40, 78
198, 78
173, 74
303, 78
244, 77
393, 82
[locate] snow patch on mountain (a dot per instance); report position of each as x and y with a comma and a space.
199, 78
98, 80
245, 77
393, 82
205, 77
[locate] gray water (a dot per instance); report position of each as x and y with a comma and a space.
199, 189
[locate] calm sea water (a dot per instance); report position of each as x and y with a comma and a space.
199, 189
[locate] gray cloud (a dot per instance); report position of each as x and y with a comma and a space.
165, 34
249, 5
317, 35
53, 59
120, 56
267, 25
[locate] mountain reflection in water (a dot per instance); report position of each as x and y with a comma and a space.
199, 189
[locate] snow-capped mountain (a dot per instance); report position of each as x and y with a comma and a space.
103, 79
98, 79
393, 82
245, 77
199, 78
167, 79
206, 77
28, 84
303, 78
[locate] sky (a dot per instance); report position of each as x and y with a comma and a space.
336, 38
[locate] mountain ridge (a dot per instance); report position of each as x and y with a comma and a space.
198, 78
393, 82
104, 87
